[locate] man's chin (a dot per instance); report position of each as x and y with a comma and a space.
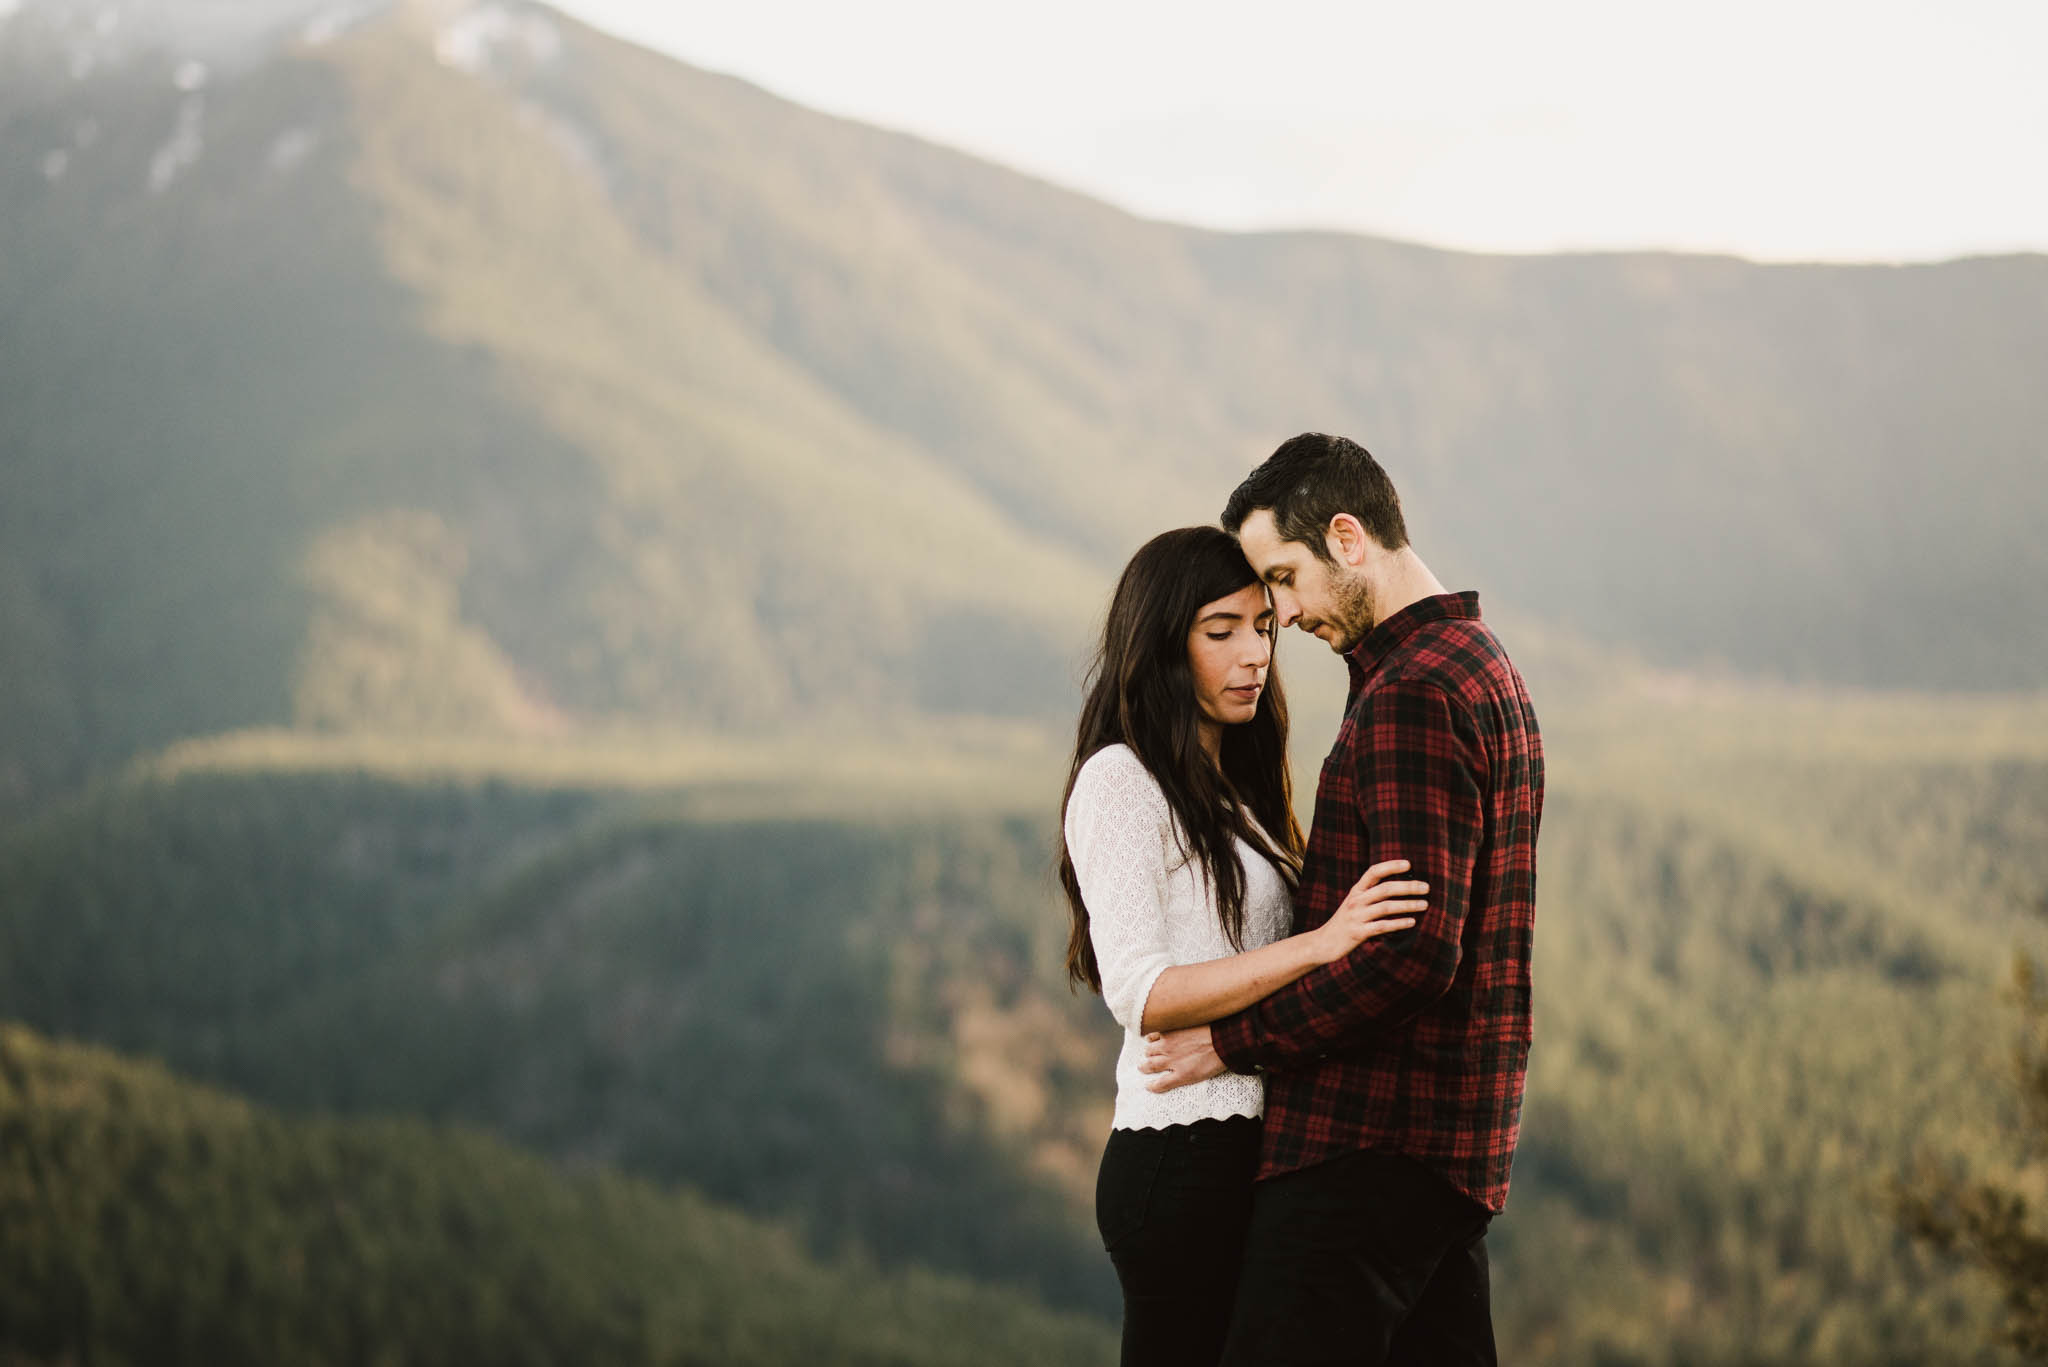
1323, 632
1344, 645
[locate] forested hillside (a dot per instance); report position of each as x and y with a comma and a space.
147, 1220
1767, 935
542, 591
844, 1024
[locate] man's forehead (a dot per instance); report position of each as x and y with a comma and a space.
1260, 538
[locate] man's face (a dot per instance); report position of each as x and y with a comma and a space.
1333, 603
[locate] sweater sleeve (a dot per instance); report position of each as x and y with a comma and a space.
1120, 835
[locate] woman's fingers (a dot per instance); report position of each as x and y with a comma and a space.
1380, 892
1378, 905
1362, 920
1386, 868
1359, 917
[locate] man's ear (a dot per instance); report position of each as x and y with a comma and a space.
1347, 539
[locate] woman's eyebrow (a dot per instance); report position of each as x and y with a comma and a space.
1219, 616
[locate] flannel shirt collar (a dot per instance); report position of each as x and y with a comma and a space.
1381, 640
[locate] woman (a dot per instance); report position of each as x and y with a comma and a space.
1180, 856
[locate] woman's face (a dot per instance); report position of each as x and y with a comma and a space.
1230, 648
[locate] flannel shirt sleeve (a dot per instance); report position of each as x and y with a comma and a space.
1420, 774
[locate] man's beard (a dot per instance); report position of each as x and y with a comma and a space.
1351, 611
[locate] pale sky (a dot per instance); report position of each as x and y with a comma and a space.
1849, 130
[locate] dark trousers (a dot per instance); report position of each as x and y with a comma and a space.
1172, 1205
1366, 1259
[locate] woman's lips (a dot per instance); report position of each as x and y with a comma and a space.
1246, 692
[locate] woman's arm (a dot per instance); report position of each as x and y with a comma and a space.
1119, 831
1195, 994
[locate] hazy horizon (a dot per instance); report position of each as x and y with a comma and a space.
1859, 135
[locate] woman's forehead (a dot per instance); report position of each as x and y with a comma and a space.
1250, 601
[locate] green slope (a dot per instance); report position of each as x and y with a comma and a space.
855, 1027
202, 385
146, 1219
1768, 935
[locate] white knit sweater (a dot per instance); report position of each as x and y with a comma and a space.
1149, 908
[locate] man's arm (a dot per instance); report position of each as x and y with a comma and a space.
1420, 775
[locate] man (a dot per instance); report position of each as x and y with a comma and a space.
1393, 1076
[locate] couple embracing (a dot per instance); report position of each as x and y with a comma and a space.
1324, 1040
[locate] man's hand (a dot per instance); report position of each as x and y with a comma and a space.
1179, 1057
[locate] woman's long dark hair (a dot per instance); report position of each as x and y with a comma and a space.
1141, 692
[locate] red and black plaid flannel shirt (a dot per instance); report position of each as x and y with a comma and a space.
1417, 1042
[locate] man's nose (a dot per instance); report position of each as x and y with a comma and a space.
1285, 610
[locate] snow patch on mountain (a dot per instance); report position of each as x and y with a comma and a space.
330, 24
479, 39
93, 36
58, 161
182, 152
289, 149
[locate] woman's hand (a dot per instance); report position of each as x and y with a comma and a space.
1374, 906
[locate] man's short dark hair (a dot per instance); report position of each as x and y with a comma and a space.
1309, 480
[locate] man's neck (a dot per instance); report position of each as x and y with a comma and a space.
1404, 582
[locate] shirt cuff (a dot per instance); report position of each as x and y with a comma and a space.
1141, 993
1235, 1041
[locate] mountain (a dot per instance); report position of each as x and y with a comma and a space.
851, 1026
1766, 931
540, 588
441, 368
152, 1220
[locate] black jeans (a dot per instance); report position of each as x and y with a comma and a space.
1368, 1258
1172, 1205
